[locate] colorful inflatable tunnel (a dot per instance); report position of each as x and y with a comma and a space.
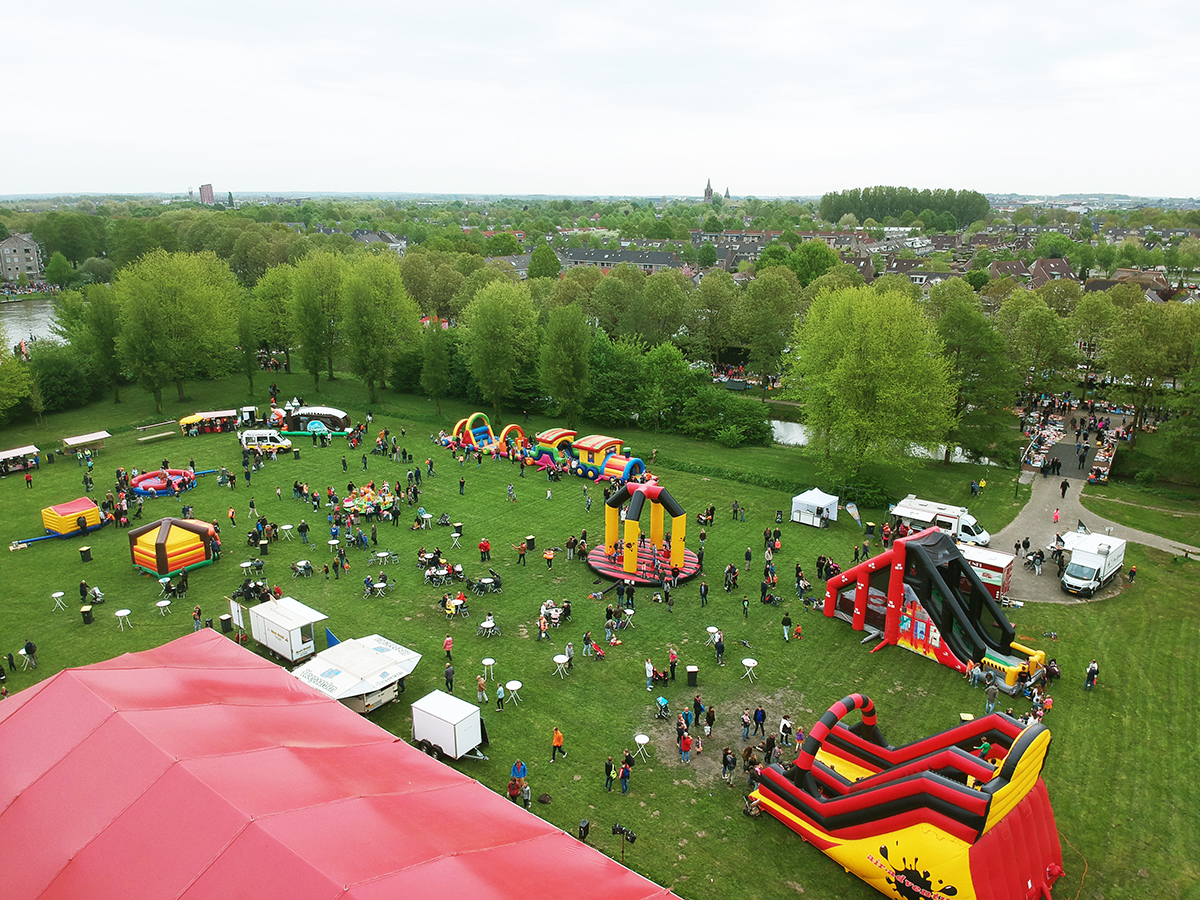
171, 545
554, 445
922, 594
162, 482
67, 519
475, 433
930, 819
599, 456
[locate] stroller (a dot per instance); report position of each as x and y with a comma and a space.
444, 519
1052, 671
662, 709
771, 599
598, 652
663, 677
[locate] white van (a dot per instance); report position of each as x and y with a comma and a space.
266, 439
956, 521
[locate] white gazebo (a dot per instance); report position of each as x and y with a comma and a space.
814, 507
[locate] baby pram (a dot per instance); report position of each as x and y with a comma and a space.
598, 651
662, 710
444, 519
662, 677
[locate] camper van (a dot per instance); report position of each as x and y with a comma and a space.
266, 439
955, 521
1096, 559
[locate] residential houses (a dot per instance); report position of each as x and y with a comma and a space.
20, 255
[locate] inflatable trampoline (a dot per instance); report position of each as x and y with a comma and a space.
162, 483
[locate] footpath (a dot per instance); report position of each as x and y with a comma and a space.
1036, 522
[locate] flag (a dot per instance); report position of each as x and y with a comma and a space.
852, 508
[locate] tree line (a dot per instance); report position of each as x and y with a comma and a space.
943, 208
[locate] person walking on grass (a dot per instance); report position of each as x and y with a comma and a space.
991, 692
499, 698
481, 688
624, 777
556, 744
449, 678
610, 773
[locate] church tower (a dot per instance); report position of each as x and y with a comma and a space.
708, 192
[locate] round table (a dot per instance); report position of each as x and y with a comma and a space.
560, 660
287, 531
629, 617
25, 661
245, 568
57, 596
489, 671
641, 740
164, 607
751, 665
712, 636
457, 604
382, 556
165, 581
487, 583
123, 618
333, 545
427, 560
514, 689
426, 519
442, 575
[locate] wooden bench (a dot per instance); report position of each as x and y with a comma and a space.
155, 425
155, 437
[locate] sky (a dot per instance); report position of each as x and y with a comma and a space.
601, 98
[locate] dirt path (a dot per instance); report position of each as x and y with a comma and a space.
1036, 522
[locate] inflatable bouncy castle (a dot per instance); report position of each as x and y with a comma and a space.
171, 545
963, 814
923, 595
66, 519
475, 433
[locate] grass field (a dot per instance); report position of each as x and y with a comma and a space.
1176, 516
1117, 773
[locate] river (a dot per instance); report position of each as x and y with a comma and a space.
25, 319
793, 434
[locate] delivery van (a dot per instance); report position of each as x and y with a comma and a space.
1096, 559
956, 521
265, 439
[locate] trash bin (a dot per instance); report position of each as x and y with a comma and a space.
693, 675
458, 527
50, 457
85, 554
208, 623
869, 528
295, 453
88, 619
226, 623
529, 543
263, 548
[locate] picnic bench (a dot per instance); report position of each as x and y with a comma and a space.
155, 437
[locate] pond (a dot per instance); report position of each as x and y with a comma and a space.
793, 434
25, 319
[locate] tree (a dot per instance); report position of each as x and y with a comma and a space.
660, 309
945, 293
616, 380
317, 311
1136, 351
715, 304
59, 271
765, 318
712, 225
380, 318
984, 376
178, 319
1089, 322
564, 369
271, 300
501, 332
976, 279
706, 258
435, 367
16, 383
1061, 294
102, 323
668, 383
543, 263
503, 244
871, 377
811, 260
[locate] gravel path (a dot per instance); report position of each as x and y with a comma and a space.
1036, 521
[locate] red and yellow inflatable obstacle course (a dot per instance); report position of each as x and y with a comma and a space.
963, 814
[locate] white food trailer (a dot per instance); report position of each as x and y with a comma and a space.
283, 626
362, 673
444, 725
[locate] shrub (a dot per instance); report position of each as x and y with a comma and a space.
731, 436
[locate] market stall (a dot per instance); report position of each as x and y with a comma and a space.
814, 507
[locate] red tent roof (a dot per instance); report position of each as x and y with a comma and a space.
199, 770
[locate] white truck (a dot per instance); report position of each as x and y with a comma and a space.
1096, 559
956, 521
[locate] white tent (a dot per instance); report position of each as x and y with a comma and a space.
813, 505
362, 673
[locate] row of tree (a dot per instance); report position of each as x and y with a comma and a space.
945, 209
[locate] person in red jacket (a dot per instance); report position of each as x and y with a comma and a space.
685, 747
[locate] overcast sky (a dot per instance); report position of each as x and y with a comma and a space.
614, 97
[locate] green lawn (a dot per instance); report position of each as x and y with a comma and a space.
1174, 516
1115, 766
